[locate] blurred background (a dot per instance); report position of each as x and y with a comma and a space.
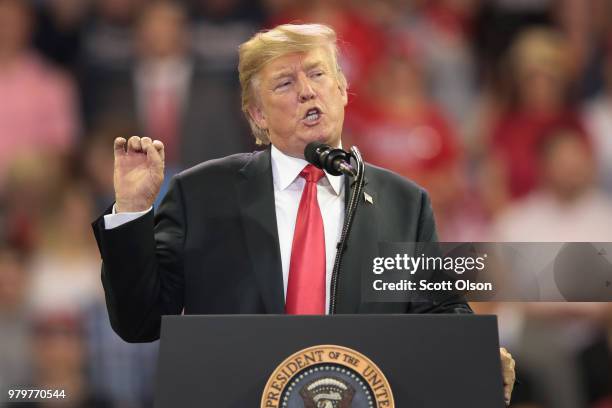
501, 109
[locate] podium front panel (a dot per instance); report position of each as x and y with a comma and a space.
430, 361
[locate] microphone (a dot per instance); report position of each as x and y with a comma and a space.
334, 161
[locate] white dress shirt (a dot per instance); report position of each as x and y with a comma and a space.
171, 75
288, 187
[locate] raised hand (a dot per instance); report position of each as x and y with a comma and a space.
138, 174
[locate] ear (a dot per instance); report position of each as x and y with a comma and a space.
258, 116
343, 93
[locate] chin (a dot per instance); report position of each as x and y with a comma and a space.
332, 141
315, 137
322, 139
327, 138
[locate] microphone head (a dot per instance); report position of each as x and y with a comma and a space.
312, 153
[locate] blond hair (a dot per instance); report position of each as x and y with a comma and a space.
542, 49
269, 45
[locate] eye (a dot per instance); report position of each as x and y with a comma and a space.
315, 74
283, 84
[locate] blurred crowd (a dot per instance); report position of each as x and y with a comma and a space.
501, 109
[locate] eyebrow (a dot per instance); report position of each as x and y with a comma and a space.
282, 74
310, 65
287, 72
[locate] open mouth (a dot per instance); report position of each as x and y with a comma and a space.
312, 116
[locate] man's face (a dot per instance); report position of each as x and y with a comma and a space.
162, 33
568, 166
299, 100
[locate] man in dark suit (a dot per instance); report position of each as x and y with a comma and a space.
257, 233
168, 95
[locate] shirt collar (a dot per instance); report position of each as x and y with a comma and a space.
285, 169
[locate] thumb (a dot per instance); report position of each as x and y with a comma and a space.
159, 146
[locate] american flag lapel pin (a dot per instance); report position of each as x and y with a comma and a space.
368, 198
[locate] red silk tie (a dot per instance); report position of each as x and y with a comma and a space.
306, 286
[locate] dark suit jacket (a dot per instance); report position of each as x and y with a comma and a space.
213, 247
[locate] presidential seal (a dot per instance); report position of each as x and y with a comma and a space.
327, 376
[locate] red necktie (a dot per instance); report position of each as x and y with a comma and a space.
306, 287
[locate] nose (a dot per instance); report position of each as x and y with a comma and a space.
305, 90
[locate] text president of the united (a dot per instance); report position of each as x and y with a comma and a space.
257, 232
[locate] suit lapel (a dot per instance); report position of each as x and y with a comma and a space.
361, 246
256, 193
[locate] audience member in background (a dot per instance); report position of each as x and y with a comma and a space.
59, 31
538, 96
496, 25
395, 122
107, 49
107, 41
444, 29
566, 207
32, 183
586, 24
65, 271
192, 112
14, 353
120, 372
218, 28
37, 103
396, 125
58, 351
598, 118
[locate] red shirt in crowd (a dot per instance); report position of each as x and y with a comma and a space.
408, 144
515, 140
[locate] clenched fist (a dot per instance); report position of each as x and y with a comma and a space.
138, 174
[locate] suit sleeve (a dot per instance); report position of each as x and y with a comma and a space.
142, 268
453, 303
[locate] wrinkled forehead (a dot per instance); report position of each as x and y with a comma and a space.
290, 63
